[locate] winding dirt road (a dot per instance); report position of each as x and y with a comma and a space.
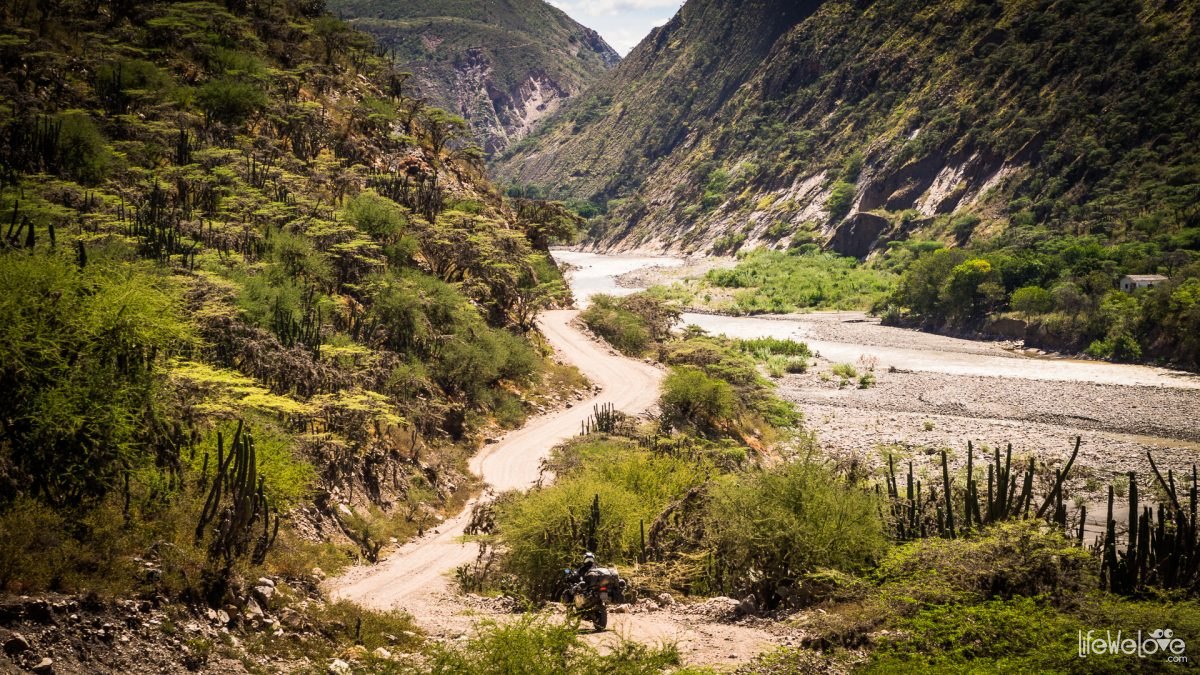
414, 577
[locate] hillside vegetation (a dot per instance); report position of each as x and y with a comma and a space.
502, 66
875, 121
257, 304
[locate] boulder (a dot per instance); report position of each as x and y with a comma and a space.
264, 594
339, 667
16, 644
859, 234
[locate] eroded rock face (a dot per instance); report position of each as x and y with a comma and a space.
503, 66
856, 236
503, 115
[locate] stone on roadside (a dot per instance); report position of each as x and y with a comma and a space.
16, 644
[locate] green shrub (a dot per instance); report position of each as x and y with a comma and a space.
230, 101
83, 151
81, 350
378, 216
534, 645
779, 282
767, 528
1019, 635
774, 346
846, 371
633, 323
841, 198
692, 399
1030, 300
548, 529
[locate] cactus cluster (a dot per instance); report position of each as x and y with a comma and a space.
236, 514
910, 513
605, 419
1161, 546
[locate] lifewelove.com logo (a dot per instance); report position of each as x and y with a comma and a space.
1160, 643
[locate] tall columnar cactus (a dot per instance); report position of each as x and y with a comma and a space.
236, 515
910, 513
1161, 549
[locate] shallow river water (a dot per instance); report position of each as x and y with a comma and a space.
934, 391
593, 273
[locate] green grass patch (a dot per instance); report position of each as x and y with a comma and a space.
779, 282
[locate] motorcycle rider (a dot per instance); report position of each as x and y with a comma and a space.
589, 561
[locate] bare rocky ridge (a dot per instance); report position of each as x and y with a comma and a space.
503, 66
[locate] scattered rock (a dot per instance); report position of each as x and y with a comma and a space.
253, 610
16, 644
318, 574
382, 653
748, 606
339, 667
291, 618
666, 599
264, 594
46, 665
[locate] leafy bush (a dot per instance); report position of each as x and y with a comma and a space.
841, 197
81, 350
767, 528
633, 323
1020, 635
692, 399
1031, 300
83, 152
230, 101
771, 345
378, 216
549, 528
775, 281
537, 645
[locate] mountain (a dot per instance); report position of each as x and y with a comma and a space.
502, 65
857, 123
241, 275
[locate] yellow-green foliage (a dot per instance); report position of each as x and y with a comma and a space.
288, 477
227, 392
774, 281
82, 351
546, 529
765, 528
535, 645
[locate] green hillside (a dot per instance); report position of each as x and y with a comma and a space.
875, 121
233, 247
501, 65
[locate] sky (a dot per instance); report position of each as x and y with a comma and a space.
622, 23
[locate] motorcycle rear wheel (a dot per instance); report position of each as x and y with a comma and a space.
600, 618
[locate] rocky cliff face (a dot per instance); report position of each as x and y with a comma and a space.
503, 66
865, 122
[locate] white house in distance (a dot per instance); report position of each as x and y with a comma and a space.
1132, 282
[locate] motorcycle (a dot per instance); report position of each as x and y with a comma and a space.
590, 596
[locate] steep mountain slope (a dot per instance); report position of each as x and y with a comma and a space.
503, 66
855, 123
242, 276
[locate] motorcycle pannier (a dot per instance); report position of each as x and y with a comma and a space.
601, 576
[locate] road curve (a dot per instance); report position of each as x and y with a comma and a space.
414, 576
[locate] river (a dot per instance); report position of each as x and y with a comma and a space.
853, 336
933, 392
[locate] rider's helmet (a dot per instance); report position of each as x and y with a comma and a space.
589, 557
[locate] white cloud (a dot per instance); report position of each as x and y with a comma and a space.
614, 7
623, 23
